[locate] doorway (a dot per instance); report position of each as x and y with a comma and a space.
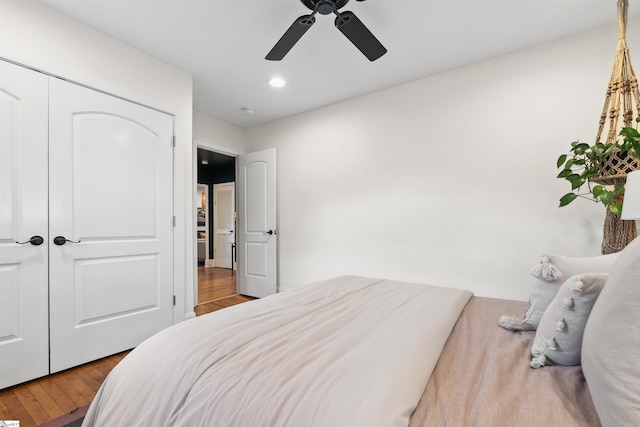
216, 224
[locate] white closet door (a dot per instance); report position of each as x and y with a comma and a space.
24, 333
111, 191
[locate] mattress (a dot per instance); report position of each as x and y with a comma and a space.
483, 378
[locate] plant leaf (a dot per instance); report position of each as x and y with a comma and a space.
565, 173
577, 183
561, 160
597, 149
606, 197
581, 148
607, 151
616, 208
567, 198
629, 133
597, 191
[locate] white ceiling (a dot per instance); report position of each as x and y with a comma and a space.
222, 43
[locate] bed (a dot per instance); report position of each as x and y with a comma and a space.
357, 351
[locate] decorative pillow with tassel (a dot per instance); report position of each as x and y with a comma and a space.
548, 276
558, 339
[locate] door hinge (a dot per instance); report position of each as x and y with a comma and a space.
174, 220
173, 141
174, 300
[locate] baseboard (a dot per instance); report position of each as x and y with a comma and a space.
190, 315
209, 262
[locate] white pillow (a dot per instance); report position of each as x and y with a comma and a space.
611, 345
549, 275
558, 340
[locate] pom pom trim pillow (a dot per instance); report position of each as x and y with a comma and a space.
549, 275
558, 340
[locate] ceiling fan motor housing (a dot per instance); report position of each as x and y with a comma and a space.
325, 7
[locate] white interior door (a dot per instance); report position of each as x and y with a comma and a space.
224, 205
24, 320
257, 234
111, 192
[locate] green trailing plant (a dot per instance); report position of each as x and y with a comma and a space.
582, 164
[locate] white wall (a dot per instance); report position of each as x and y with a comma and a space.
448, 180
35, 36
217, 134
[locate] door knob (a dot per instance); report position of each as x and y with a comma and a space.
270, 232
35, 241
60, 240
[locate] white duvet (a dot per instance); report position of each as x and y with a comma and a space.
351, 351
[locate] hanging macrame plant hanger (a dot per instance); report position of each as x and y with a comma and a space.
622, 100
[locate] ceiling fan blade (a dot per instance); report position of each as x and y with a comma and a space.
291, 37
360, 36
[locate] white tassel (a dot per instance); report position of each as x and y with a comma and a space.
567, 303
545, 270
538, 361
512, 323
561, 326
526, 326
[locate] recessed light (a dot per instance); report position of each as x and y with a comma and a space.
248, 111
205, 162
277, 82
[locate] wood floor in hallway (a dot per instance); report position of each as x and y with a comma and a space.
215, 283
217, 289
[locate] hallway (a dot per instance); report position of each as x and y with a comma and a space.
217, 290
215, 283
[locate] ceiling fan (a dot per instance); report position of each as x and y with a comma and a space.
347, 22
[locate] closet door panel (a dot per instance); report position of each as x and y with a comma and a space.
24, 327
111, 196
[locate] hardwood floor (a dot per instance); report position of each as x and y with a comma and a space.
39, 401
45, 399
215, 283
218, 304
216, 290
